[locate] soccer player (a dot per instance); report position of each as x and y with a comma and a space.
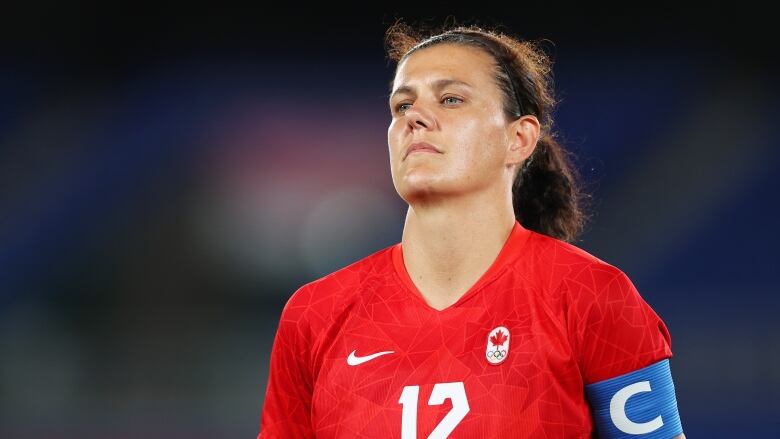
484, 321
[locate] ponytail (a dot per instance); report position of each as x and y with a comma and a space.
545, 195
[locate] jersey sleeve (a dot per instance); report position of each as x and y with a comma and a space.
612, 329
287, 407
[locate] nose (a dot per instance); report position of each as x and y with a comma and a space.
418, 117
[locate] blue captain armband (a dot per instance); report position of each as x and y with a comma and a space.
639, 404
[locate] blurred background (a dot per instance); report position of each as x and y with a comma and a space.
169, 177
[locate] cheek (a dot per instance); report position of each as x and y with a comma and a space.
392, 136
479, 143
394, 146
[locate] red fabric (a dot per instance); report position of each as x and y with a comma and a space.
572, 319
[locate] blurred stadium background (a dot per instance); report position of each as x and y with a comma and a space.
168, 178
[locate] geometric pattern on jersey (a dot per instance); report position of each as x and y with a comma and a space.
572, 319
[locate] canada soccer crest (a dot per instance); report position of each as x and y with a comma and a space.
497, 345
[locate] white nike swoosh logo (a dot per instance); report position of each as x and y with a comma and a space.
354, 360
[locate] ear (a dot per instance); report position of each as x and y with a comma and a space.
523, 135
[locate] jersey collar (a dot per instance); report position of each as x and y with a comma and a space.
511, 250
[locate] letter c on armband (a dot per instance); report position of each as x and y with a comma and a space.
617, 410
639, 404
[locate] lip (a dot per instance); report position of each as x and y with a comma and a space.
421, 146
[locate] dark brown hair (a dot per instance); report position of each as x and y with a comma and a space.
546, 195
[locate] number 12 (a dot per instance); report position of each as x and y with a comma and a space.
441, 392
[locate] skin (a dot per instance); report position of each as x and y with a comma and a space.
460, 200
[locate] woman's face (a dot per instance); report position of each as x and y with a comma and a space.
446, 95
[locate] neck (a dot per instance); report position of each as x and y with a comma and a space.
448, 246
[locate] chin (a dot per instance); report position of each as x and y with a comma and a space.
417, 189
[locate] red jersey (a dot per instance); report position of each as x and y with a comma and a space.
360, 354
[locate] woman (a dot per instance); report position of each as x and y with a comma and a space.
484, 321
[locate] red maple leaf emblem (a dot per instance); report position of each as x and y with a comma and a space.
498, 339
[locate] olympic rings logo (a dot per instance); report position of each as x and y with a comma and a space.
496, 355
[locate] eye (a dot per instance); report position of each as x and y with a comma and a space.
451, 100
401, 107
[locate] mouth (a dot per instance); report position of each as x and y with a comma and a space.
421, 147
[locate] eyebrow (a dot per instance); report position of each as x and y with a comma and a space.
437, 85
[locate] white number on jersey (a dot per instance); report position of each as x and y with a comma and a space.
441, 392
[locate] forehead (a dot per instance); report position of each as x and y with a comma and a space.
454, 61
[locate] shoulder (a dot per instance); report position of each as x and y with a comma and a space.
560, 265
316, 302
576, 285
610, 327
